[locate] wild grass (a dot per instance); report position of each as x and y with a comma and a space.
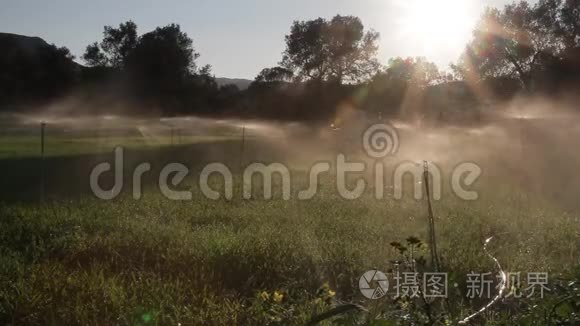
74, 259
254, 262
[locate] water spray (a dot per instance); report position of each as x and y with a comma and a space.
502, 287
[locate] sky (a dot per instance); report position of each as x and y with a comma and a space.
239, 38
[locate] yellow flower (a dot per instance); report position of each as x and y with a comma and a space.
264, 296
331, 293
278, 297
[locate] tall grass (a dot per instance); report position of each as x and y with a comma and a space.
156, 261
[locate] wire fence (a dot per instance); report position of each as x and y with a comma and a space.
45, 159
51, 139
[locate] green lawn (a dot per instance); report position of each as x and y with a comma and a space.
27, 146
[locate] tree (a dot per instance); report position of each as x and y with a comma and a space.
275, 74
403, 79
507, 43
338, 50
115, 47
417, 71
163, 55
94, 57
162, 66
563, 16
569, 27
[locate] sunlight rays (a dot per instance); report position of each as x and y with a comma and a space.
434, 27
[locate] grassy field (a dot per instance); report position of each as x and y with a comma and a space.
74, 259
202, 262
29, 146
21, 138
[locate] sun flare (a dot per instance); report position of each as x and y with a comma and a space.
437, 25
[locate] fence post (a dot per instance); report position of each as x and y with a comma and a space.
242, 148
432, 236
42, 168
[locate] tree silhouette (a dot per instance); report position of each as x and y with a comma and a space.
507, 43
417, 71
338, 50
163, 66
326, 64
165, 53
115, 47
275, 74
403, 77
94, 57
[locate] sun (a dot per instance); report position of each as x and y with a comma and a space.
437, 25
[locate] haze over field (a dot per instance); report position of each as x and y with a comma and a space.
290, 163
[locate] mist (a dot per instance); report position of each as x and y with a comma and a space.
527, 144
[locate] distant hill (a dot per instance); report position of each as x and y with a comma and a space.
27, 44
15, 45
33, 71
240, 82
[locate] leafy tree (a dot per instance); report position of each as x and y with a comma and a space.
338, 50
115, 47
506, 43
403, 76
276, 74
569, 24
417, 71
563, 17
119, 42
162, 67
94, 57
163, 55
